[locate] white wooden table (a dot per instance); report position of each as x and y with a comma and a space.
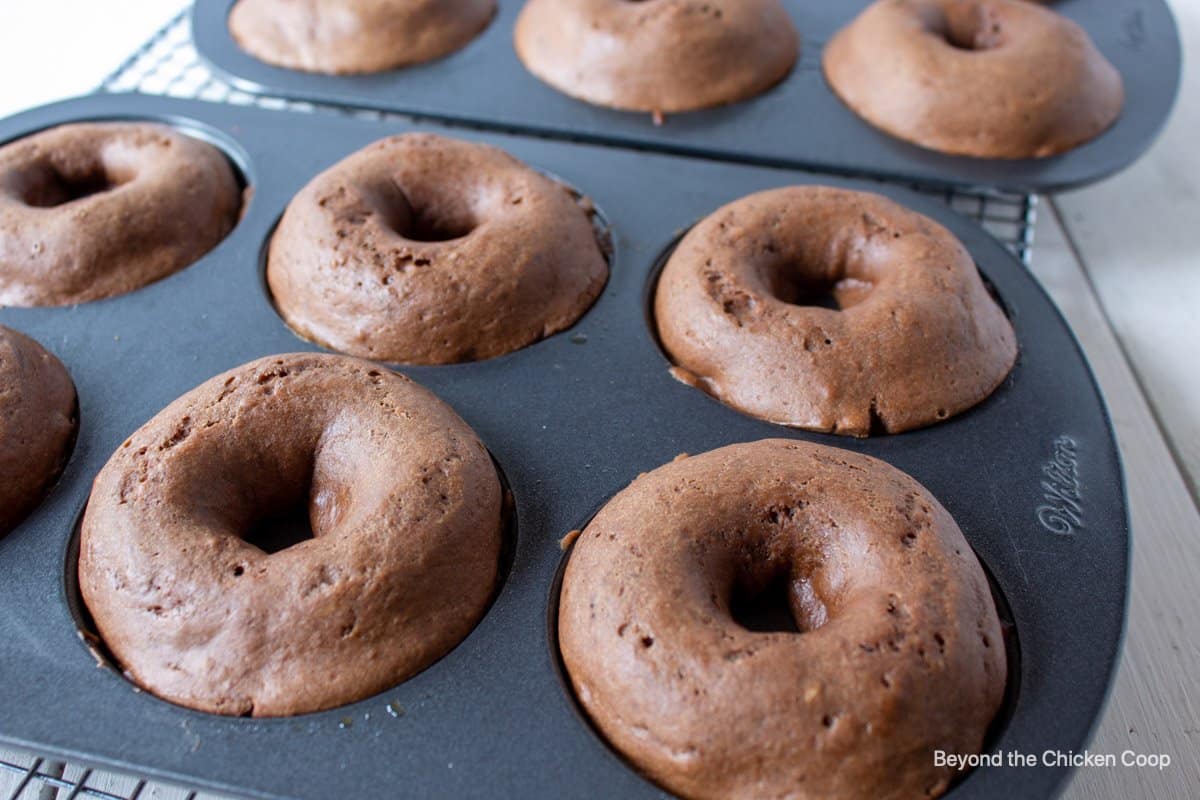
1121, 259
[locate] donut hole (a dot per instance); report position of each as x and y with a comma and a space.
775, 602
49, 186
296, 500
314, 507
764, 609
426, 219
432, 227
425, 228
281, 528
798, 289
972, 29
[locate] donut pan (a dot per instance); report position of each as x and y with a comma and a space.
800, 123
570, 420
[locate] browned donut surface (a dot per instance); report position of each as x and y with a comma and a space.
405, 510
38, 420
660, 56
356, 36
420, 249
92, 210
897, 653
914, 337
983, 78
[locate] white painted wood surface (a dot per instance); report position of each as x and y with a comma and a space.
1138, 235
1155, 701
1135, 241
1125, 268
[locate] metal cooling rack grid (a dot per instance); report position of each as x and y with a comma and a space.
26, 777
167, 64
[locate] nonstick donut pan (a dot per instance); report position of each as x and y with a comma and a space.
570, 420
800, 123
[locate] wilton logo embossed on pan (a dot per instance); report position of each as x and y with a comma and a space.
1062, 511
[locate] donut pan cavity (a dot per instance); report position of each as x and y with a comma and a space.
800, 123
1032, 477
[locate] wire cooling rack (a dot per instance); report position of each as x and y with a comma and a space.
167, 64
27, 777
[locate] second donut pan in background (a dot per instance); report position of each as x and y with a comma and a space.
799, 123
570, 420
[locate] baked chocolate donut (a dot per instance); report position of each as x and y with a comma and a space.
983, 78
421, 249
898, 651
93, 210
356, 36
406, 513
38, 420
914, 339
664, 56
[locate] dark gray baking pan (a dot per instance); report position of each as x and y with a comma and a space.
570, 420
800, 123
